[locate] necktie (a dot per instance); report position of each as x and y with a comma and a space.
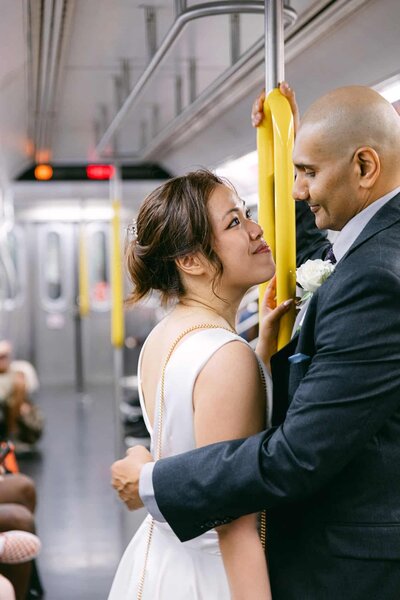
330, 256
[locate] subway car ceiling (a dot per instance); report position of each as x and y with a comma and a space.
70, 69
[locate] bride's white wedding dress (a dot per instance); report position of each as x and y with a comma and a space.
191, 570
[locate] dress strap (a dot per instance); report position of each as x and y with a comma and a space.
162, 386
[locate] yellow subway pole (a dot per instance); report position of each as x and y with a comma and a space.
266, 206
117, 305
117, 309
278, 152
84, 300
285, 218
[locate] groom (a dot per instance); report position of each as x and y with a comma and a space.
329, 476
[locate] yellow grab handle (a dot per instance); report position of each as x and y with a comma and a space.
266, 208
117, 313
84, 301
285, 217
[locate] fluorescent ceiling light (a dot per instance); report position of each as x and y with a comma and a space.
390, 89
243, 173
66, 213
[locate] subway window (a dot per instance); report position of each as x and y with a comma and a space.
98, 259
52, 265
13, 267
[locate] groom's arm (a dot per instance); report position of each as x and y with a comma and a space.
311, 243
350, 390
146, 492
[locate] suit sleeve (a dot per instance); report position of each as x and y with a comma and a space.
311, 242
350, 390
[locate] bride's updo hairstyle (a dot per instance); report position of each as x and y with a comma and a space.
172, 222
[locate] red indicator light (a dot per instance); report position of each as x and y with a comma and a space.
43, 172
100, 171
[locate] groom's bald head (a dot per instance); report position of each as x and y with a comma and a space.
347, 154
351, 117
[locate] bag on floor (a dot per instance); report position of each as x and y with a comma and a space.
30, 424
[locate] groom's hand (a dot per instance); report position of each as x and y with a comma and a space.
257, 110
270, 316
125, 475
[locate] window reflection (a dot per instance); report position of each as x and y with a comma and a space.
12, 281
52, 273
98, 270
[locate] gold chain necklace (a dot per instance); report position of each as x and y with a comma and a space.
159, 440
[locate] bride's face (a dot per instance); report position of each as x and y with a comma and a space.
238, 241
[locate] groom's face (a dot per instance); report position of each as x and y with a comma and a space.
326, 178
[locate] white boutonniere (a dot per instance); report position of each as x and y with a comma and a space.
312, 275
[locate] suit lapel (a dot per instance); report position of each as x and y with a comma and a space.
284, 374
280, 368
384, 218
286, 378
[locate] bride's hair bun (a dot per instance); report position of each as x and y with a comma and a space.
172, 222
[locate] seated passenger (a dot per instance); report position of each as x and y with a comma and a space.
17, 503
17, 517
6, 589
18, 380
18, 547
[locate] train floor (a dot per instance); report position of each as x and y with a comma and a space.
83, 526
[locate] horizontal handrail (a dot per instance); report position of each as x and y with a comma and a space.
196, 12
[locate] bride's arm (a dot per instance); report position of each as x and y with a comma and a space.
270, 316
229, 403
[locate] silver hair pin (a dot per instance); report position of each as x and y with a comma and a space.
132, 231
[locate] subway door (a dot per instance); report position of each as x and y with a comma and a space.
53, 304
14, 289
97, 367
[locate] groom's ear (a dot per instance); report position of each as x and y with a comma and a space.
192, 264
368, 165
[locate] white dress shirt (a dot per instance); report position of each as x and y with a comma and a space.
354, 227
342, 244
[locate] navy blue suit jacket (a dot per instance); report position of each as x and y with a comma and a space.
329, 475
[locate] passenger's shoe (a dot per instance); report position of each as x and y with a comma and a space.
18, 547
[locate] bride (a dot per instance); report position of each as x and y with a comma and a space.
199, 382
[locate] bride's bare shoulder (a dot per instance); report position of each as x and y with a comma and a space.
158, 335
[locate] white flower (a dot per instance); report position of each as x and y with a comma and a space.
313, 274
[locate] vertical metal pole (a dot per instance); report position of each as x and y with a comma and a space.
235, 37
118, 83
151, 31
277, 202
118, 373
118, 103
180, 7
143, 133
192, 80
126, 77
115, 196
274, 44
79, 367
178, 95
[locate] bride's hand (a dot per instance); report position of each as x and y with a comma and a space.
125, 475
257, 111
270, 316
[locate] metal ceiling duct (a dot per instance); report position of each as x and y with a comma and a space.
197, 11
48, 24
233, 84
